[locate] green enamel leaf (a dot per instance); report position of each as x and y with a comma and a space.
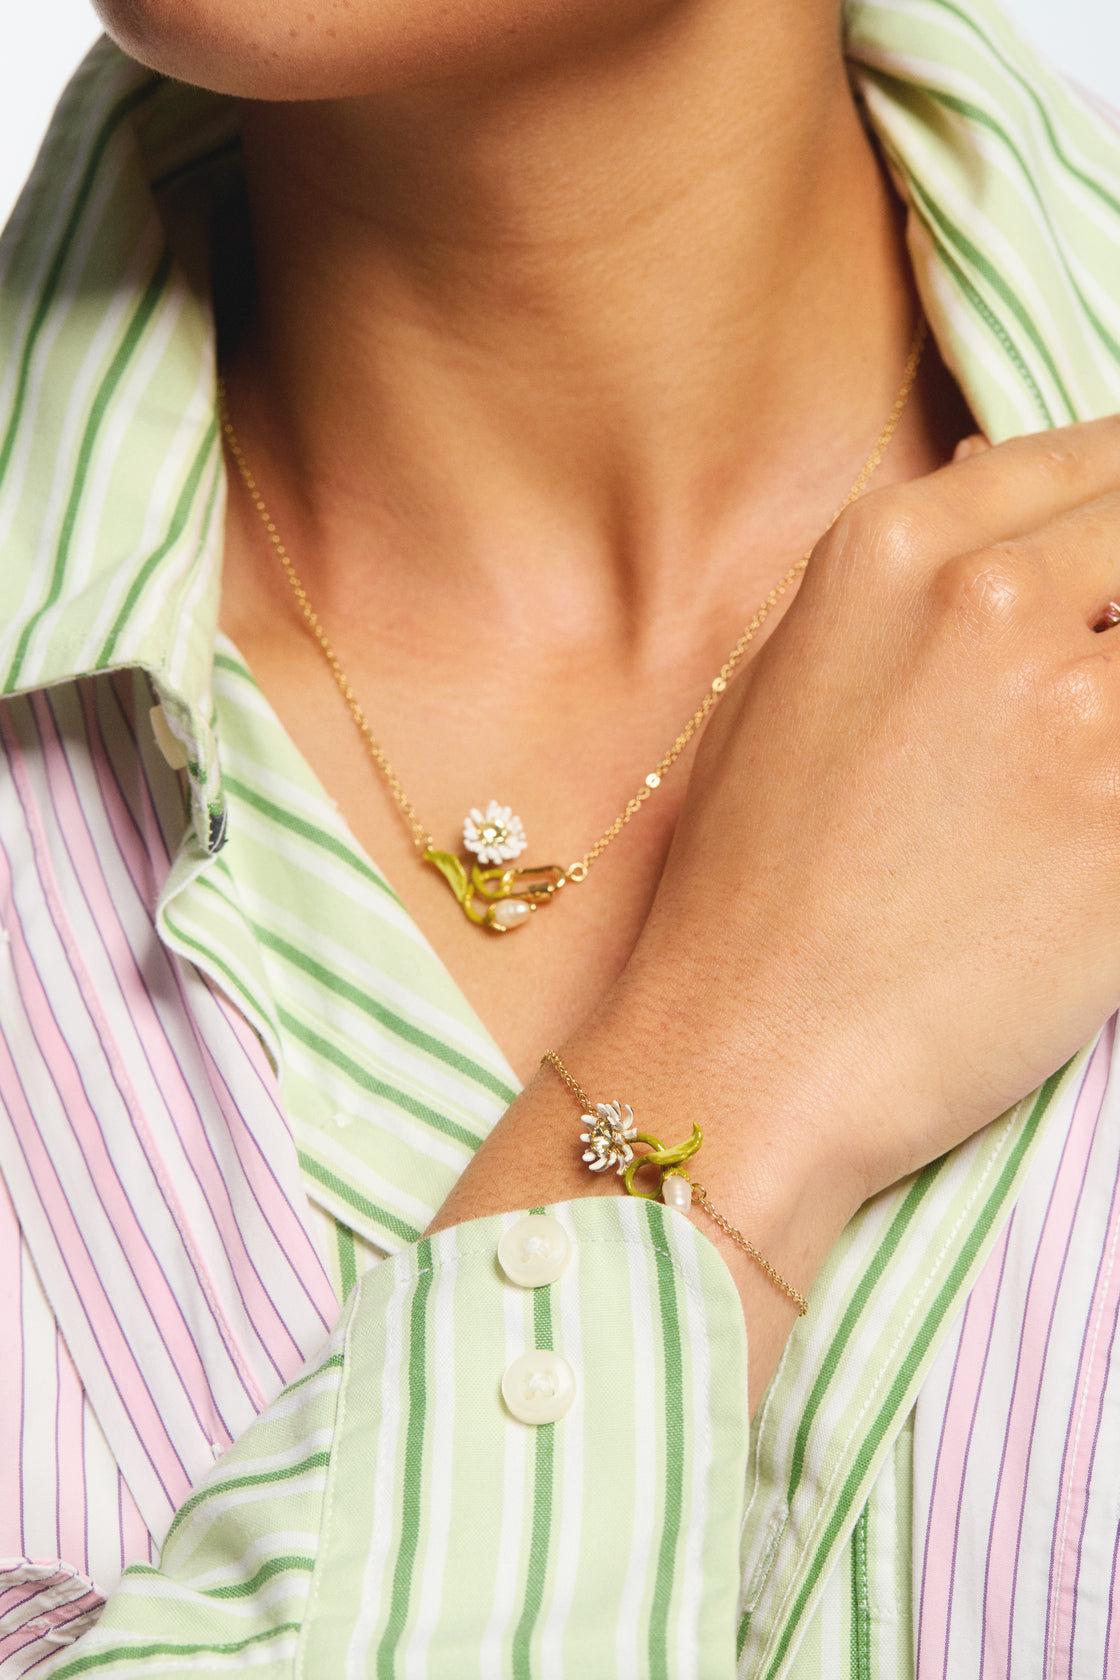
452, 871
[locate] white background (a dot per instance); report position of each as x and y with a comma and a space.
44, 40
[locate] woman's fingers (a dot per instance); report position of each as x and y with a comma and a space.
1063, 576
988, 495
1078, 552
1021, 484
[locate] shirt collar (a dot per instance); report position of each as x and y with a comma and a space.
112, 487
111, 481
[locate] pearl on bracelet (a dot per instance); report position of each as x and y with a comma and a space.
676, 1192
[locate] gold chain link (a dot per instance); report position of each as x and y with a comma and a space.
421, 838
720, 681
577, 871
573, 1085
748, 1248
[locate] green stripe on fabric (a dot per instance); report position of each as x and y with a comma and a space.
285, 818
347, 1261
232, 1484
861, 1603
367, 1081
1096, 187
209, 956
396, 1024
413, 1476
888, 1412
266, 1572
118, 113
884, 1253
974, 114
140, 319
743, 1633
334, 1363
673, 1465
951, 235
352, 1198
544, 1453
167, 1648
179, 518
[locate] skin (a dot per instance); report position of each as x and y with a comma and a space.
573, 325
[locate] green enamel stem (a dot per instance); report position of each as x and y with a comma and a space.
455, 875
662, 1159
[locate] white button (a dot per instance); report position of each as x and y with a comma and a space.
539, 1387
535, 1250
168, 743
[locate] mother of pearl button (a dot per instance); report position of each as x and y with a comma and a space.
538, 1387
534, 1250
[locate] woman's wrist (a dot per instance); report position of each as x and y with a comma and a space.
772, 1160
768, 1165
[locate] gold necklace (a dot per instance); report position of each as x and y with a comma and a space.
490, 892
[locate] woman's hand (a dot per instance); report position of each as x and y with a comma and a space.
892, 905
901, 844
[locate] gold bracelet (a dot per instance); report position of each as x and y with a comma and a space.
610, 1137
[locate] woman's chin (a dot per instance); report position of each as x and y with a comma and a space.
287, 50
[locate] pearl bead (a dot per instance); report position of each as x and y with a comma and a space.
676, 1192
511, 912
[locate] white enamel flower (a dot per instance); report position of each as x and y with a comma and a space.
497, 836
608, 1138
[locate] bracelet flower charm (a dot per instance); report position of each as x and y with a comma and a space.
608, 1137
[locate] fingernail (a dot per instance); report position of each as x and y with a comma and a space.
970, 446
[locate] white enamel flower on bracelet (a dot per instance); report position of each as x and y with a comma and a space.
611, 1129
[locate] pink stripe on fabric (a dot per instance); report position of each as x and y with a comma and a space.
166, 1314
43, 1619
138, 838
137, 1545
1112, 1643
297, 1248
73, 1542
1047, 1269
73, 828
106, 1332
303, 1268
294, 1268
12, 1597
152, 848
12, 1539
108, 1337
1081, 1442
939, 1563
942, 1584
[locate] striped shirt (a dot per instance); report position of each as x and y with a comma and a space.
235, 1081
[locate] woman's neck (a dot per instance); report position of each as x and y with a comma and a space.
640, 309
